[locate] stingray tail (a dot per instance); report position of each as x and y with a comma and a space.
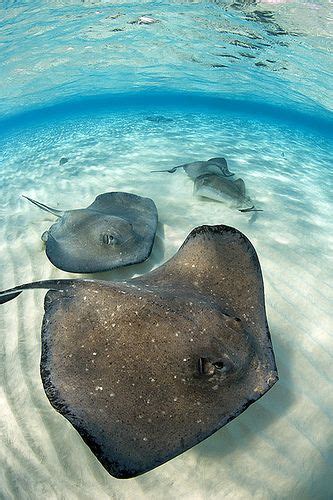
54, 211
170, 170
251, 209
6, 296
61, 285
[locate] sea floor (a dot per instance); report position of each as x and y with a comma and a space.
281, 447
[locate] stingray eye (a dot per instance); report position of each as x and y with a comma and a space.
209, 368
107, 239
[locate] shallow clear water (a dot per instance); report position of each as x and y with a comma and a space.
278, 142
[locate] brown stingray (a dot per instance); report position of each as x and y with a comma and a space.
147, 368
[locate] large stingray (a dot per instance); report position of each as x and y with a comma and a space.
145, 369
225, 190
116, 230
216, 166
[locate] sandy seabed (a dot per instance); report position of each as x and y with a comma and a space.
281, 447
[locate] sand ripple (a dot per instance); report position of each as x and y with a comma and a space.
279, 445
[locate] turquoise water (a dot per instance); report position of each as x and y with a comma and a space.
119, 100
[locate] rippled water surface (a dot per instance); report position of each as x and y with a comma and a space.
56, 49
248, 81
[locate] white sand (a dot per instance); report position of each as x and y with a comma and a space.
281, 447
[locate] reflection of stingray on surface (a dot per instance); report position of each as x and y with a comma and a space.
147, 368
117, 229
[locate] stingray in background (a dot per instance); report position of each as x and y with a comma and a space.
117, 229
63, 160
147, 368
224, 190
212, 179
217, 166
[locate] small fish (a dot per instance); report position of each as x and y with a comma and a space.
63, 160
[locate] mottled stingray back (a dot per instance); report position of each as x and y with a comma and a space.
146, 369
222, 189
116, 230
198, 168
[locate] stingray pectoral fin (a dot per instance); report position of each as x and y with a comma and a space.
222, 163
240, 185
54, 211
218, 160
220, 260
